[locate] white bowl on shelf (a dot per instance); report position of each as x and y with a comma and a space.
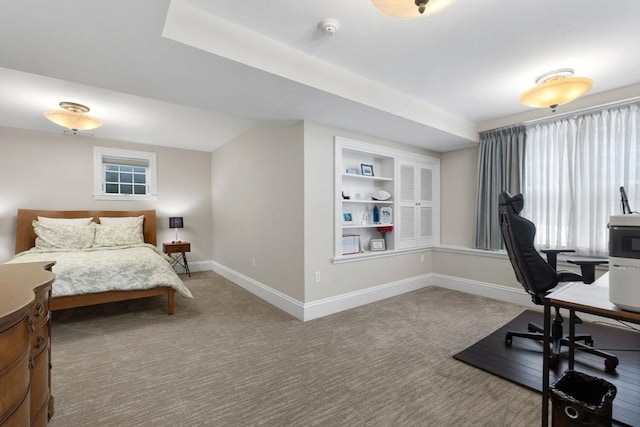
381, 195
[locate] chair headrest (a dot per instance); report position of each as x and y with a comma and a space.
516, 203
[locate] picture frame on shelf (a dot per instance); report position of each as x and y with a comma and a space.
386, 215
367, 170
352, 171
347, 218
377, 245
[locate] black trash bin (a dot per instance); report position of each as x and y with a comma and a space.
579, 399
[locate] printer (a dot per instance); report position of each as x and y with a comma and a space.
624, 261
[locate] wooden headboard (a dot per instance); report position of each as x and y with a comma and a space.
26, 237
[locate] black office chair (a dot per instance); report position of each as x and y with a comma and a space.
538, 277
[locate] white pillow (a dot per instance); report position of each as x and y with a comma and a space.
62, 236
121, 220
118, 235
65, 221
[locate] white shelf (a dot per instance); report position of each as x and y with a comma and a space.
367, 225
366, 177
388, 165
387, 202
365, 254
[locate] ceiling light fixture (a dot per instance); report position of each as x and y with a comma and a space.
408, 9
73, 117
556, 88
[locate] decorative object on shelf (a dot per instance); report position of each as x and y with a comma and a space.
377, 244
367, 170
381, 195
384, 230
352, 171
347, 218
73, 117
408, 9
376, 215
176, 222
366, 218
345, 197
555, 88
351, 244
386, 215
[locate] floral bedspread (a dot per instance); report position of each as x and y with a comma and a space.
85, 271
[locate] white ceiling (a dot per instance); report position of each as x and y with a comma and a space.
194, 74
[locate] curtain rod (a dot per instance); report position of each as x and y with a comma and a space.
586, 110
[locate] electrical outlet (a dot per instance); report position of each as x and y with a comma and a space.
316, 277
421, 257
253, 261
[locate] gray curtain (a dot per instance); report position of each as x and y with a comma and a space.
500, 168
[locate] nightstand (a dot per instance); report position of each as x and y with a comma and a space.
177, 250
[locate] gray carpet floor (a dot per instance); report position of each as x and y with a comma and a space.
227, 358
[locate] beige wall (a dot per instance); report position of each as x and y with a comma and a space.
458, 171
337, 279
273, 196
458, 224
47, 170
258, 207
268, 195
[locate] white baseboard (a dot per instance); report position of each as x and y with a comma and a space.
270, 295
324, 307
327, 306
200, 266
489, 290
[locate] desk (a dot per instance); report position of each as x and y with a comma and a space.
577, 297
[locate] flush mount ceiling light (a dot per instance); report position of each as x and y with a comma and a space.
73, 117
410, 8
556, 88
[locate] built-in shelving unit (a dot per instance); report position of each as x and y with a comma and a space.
362, 171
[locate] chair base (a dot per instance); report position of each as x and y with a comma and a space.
583, 342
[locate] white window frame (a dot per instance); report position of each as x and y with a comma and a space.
99, 153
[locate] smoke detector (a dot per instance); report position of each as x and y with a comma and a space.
329, 26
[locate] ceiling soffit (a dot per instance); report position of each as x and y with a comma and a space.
202, 30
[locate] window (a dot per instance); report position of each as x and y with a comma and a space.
574, 168
124, 174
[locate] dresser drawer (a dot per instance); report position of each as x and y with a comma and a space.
40, 306
39, 339
40, 382
41, 419
25, 344
20, 417
14, 383
13, 343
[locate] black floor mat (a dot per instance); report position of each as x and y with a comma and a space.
521, 363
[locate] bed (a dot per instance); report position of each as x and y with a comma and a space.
107, 283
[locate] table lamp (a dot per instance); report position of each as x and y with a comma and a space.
176, 222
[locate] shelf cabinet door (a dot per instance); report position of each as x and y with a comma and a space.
418, 217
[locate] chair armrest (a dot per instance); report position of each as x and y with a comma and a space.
588, 267
552, 255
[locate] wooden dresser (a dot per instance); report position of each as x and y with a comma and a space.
25, 345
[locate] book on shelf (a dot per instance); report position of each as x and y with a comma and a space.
351, 244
